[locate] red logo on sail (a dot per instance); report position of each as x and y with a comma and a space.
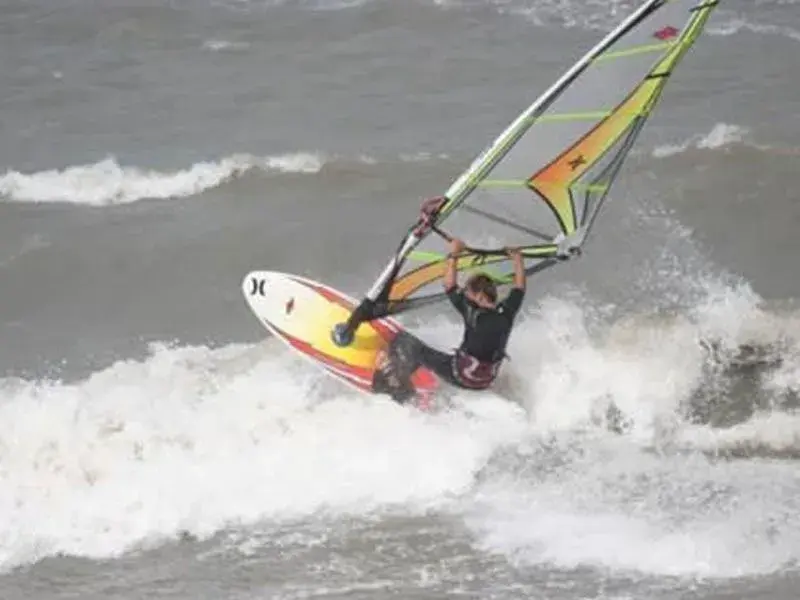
667, 33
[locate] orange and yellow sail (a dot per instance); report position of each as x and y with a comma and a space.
540, 185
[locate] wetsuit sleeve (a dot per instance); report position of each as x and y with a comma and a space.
456, 297
513, 302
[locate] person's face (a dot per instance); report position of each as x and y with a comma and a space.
481, 299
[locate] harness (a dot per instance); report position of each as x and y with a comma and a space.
473, 373
468, 370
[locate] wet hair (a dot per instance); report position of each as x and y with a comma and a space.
480, 283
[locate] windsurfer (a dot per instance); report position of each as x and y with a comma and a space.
487, 327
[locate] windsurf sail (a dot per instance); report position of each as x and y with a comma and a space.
540, 185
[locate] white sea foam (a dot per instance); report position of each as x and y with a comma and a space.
224, 45
107, 182
738, 25
644, 501
628, 511
195, 440
199, 440
720, 136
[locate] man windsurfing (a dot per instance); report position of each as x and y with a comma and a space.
487, 327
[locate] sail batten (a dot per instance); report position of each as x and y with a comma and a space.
644, 49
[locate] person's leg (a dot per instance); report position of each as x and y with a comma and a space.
387, 383
462, 371
393, 376
437, 361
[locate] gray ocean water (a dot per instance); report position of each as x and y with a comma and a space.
156, 443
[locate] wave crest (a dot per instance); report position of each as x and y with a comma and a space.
106, 182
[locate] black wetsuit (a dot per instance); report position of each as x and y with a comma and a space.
476, 362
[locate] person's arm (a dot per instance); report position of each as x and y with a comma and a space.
451, 274
454, 294
519, 268
513, 302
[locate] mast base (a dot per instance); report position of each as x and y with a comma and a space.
342, 335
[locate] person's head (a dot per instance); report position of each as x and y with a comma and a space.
481, 290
